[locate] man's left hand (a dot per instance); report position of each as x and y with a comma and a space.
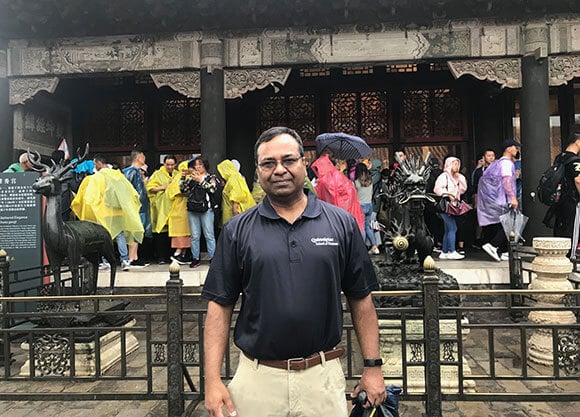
373, 383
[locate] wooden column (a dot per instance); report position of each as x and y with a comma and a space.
535, 126
213, 106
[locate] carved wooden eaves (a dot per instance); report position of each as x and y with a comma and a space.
186, 82
236, 82
506, 72
239, 82
564, 68
23, 89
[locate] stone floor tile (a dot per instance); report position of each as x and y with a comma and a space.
17, 412
469, 409
143, 412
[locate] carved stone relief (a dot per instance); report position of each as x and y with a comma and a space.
535, 38
212, 54
575, 37
493, 42
238, 82
563, 69
186, 83
296, 45
447, 44
22, 89
250, 54
106, 54
506, 72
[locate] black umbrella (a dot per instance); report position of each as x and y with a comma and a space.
389, 408
343, 146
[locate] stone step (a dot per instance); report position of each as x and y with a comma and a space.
154, 276
475, 269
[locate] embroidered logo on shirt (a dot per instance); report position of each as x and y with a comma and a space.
324, 241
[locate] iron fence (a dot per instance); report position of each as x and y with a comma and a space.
149, 347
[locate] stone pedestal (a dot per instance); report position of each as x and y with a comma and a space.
552, 268
52, 354
390, 343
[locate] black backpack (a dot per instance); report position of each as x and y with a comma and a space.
197, 200
552, 180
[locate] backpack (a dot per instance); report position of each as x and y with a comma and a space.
197, 200
552, 180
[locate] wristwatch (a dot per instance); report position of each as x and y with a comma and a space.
368, 363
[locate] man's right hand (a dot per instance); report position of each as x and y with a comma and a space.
216, 397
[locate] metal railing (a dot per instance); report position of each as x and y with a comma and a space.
152, 348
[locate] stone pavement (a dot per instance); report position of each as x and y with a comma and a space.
155, 276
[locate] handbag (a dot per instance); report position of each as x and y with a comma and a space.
458, 209
442, 203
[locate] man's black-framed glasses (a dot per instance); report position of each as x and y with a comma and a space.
288, 162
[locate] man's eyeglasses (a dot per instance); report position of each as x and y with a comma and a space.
271, 164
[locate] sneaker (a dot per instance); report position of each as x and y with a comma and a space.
461, 251
139, 263
443, 255
454, 255
104, 265
437, 249
374, 251
125, 265
195, 263
491, 251
161, 261
505, 256
180, 259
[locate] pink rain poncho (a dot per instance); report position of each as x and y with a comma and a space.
335, 188
496, 187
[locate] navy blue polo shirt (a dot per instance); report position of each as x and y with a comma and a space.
290, 277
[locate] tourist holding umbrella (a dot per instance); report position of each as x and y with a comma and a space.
343, 146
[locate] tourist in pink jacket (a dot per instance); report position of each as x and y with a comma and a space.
450, 184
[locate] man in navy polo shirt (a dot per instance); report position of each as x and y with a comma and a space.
290, 257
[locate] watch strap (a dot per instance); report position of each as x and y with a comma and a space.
368, 363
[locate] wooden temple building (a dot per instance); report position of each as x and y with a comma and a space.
183, 77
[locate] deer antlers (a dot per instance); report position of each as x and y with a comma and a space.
38, 165
80, 158
36, 162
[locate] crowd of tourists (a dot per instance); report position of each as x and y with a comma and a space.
167, 214
472, 205
162, 216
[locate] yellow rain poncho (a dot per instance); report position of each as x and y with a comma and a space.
160, 201
178, 224
107, 198
236, 190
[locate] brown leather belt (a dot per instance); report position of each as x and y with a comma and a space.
301, 364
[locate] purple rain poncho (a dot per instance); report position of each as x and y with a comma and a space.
496, 187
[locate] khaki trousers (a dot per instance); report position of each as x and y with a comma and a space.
261, 391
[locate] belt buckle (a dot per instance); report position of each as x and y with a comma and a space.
289, 361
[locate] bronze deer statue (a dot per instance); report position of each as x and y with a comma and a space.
75, 239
